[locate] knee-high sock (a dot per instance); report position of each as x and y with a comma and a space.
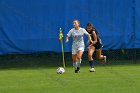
91, 64
79, 62
75, 65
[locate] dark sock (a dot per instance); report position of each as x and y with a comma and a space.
91, 64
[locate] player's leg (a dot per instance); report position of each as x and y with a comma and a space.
90, 58
74, 60
98, 48
74, 57
79, 58
100, 56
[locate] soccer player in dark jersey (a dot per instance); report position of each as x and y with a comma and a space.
95, 45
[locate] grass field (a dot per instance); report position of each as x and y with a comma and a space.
106, 79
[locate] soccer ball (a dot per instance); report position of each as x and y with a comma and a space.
60, 70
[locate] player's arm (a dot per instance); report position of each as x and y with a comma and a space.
89, 37
95, 38
68, 35
67, 38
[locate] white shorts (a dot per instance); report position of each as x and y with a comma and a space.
75, 50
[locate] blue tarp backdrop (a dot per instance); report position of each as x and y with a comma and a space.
29, 26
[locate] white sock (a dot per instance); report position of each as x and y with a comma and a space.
75, 65
79, 62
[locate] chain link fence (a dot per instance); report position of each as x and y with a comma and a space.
52, 59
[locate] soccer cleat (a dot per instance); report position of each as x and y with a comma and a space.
77, 70
91, 70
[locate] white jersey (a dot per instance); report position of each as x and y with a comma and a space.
77, 36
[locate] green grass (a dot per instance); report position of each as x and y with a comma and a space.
106, 79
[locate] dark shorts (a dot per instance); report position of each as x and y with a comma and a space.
98, 45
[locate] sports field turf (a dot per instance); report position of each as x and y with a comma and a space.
106, 79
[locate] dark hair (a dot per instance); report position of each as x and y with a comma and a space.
89, 24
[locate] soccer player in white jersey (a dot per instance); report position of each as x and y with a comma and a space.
78, 45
